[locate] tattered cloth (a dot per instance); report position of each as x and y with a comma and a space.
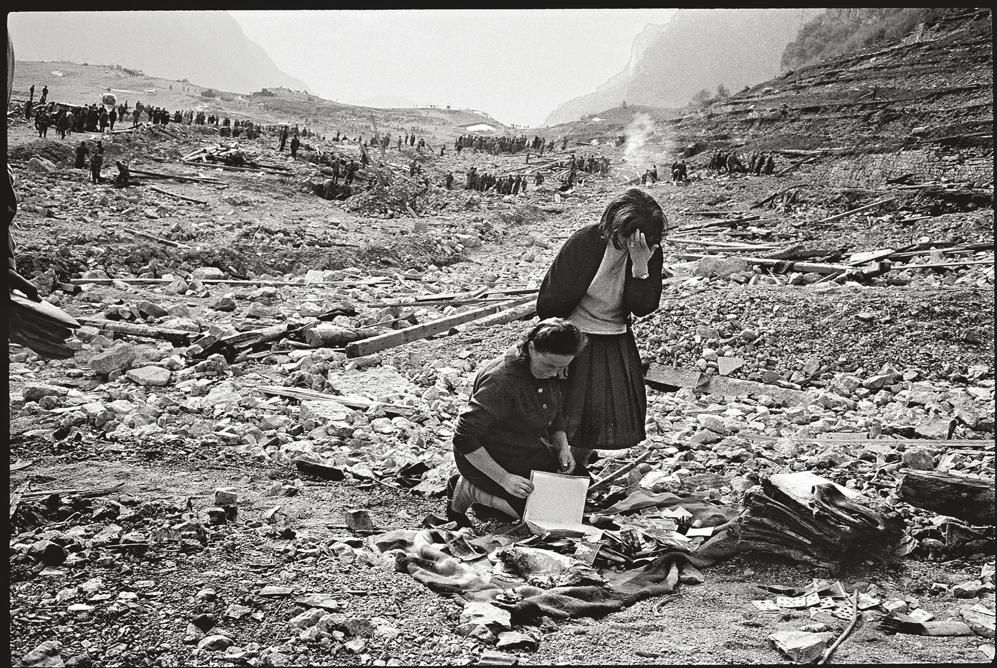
529, 582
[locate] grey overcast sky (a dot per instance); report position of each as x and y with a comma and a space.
517, 65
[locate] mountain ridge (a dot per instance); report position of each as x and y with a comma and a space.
747, 48
148, 41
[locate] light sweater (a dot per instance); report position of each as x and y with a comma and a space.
600, 310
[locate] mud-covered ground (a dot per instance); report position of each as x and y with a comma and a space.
938, 323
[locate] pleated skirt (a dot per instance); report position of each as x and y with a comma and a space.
605, 400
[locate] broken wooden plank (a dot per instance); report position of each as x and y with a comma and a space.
416, 332
793, 166
82, 493
966, 498
527, 310
359, 403
940, 265
146, 235
676, 377
183, 197
623, 470
839, 216
778, 265
177, 337
328, 335
862, 437
227, 281
177, 177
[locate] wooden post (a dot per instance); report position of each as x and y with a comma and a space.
966, 498
416, 332
174, 336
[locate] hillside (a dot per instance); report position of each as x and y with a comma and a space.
698, 49
72, 83
208, 47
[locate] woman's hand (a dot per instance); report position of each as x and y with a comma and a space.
640, 252
516, 485
565, 460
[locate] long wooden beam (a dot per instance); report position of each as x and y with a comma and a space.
416, 332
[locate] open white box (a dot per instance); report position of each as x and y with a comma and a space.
556, 504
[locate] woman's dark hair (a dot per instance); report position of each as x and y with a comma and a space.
553, 335
633, 210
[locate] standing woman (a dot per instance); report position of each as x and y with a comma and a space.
603, 276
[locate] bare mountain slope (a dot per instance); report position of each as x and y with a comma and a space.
698, 49
208, 47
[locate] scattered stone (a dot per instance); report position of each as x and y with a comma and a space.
918, 459
517, 640
45, 655
800, 646
968, 589
486, 614
214, 643
938, 428
118, 358
156, 376
980, 619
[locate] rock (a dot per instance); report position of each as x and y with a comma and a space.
38, 392
226, 496
214, 643
275, 590
713, 423
324, 411
258, 310
938, 428
37, 164
356, 645
47, 552
147, 309
307, 619
980, 619
918, 459
845, 384
225, 304
45, 655
155, 376
207, 272
517, 640
968, 589
206, 594
728, 365
486, 614
117, 358
896, 606
800, 646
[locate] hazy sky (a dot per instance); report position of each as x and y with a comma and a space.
517, 65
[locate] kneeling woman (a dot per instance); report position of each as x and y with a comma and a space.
514, 423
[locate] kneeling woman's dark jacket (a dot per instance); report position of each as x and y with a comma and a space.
510, 414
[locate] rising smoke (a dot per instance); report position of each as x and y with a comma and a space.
645, 146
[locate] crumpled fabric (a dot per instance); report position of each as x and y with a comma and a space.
704, 511
420, 553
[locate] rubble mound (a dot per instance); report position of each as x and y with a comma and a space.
56, 152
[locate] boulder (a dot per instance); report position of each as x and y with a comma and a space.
150, 375
118, 358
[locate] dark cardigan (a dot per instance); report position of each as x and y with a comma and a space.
575, 266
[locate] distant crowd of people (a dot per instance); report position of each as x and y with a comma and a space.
485, 182
729, 162
496, 145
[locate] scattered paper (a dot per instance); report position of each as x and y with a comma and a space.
766, 606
